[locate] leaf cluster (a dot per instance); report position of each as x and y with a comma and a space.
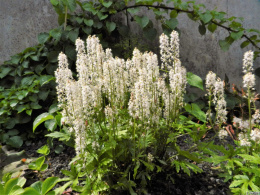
14, 186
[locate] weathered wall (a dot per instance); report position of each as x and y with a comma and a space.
20, 23
22, 20
202, 53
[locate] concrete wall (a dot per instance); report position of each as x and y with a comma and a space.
20, 23
22, 20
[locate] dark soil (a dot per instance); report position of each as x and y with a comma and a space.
206, 182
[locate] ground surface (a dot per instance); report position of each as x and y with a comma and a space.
207, 182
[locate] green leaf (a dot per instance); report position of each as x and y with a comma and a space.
30, 191
4, 71
15, 141
28, 80
53, 108
88, 22
254, 187
202, 29
79, 20
56, 33
43, 37
237, 35
142, 21
173, 14
35, 105
195, 110
54, 2
107, 4
212, 27
58, 149
72, 5
172, 23
87, 30
13, 103
43, 94
70, 52
44, 79
98, 25
224, 45
1, 188
16, 190
45, 150
36, 165
244, 44
44, 167
40, 119
194, 80
10, 184
110, 26
48, 184
133, 10
61, 136
15, 59
189, 155
21, 181
37, 186
29, 112
53, 56
25, 64
101, 16
21, 108
136, 168
206, 17
236, 183
50, 124
12, 132
73, 35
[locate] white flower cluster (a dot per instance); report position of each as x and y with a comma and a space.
255, 135
169, 50
150, 157
149, 86
222, 133
256, 116
101, 76
248, 61
244, 140
249, 77
144, 101
241, 124
173, 96
215, 88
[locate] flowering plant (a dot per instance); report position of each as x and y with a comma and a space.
240, 162
126, 115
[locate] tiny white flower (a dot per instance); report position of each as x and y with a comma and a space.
223, 133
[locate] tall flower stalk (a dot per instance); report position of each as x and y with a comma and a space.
215, 88
249, 82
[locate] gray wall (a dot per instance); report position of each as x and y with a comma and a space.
22, 20
20, 23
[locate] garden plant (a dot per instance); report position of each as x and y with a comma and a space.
127, 116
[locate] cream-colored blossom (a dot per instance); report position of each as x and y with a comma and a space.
255, 135
248, 61
223, 133
249, 80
